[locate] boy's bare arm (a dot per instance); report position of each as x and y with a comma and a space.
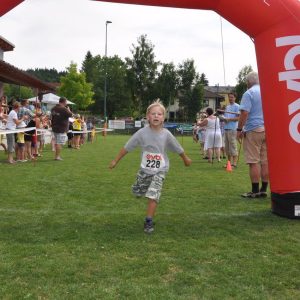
120, 155
187, 161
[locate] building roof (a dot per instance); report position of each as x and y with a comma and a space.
210, 94
5, 45
13, 75
219, 89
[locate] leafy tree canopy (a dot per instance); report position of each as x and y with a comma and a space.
241, 86
17, 92
142, 69
75, 88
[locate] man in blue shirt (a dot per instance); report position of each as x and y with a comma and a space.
251, 128
231, 117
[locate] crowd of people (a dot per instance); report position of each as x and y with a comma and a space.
23, 144
216, 132
242, 123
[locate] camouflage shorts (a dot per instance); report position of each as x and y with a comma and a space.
149, 186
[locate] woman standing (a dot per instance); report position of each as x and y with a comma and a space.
213, 136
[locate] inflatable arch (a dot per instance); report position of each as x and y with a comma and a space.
274, 25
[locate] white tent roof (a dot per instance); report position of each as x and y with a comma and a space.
50, 99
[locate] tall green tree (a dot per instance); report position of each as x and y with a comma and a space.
196, 101
89, 67
75, 88
203, 80
188, 77
142, 72
118, 97
93, 67
167, 84
241, 86
119, 101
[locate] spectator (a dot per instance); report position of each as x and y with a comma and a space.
70, 135
20, 146
251, 128
3, 105
89, 126
84, 129
12, 122
213, 137
3, 119
60, 115
77, 127
231, 117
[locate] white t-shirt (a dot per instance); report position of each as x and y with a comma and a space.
154, 146
11, 125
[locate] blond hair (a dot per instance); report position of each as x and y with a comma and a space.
158, 103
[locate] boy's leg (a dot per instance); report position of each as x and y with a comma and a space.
152, 204
148, 225
153, 195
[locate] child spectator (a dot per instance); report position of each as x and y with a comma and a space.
20, 147
70, 135
77, 127
154, 141
83, 128
93, 133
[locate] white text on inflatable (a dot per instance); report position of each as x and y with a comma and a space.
291, 75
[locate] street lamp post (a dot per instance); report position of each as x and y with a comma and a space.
105, 76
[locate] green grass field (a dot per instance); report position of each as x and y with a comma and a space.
73, 230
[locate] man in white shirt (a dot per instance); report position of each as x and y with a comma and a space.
12, 123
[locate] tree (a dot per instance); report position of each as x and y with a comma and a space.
118, 100
75, 88
47, 75
17, 91
188, 77
142, 71
203, 80
93, 67
89, 67
241, 86
167, 84
196, 102
187, 74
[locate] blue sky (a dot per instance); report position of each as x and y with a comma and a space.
52, 33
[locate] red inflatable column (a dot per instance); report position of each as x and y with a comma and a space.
278, 57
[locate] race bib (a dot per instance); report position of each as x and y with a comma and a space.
152, 161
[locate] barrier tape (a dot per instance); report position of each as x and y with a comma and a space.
8, 131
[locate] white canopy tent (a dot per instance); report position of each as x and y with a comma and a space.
50, 100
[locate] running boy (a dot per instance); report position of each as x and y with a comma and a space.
154, 141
